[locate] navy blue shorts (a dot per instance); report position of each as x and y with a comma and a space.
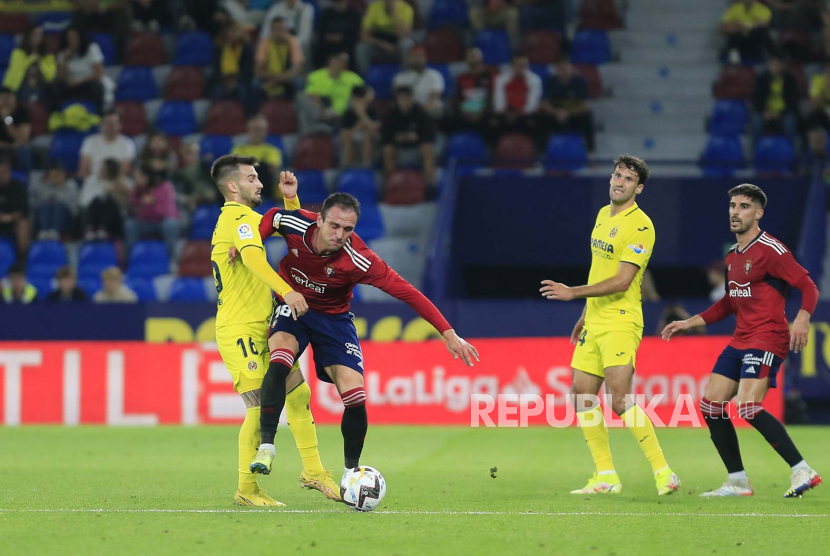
748, 363
332, 337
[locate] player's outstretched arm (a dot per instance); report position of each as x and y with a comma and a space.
674, 327
255, 261
618, 283
459, 347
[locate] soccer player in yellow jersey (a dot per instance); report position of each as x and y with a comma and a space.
242, 316
609, 331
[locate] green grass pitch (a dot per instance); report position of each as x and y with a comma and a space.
168, 490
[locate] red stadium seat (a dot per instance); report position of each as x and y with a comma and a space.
225, 117
184, 83
541, 47
133, 117
14, 23
405, 187
735, 82
599, 14
145, 49
592, 77
195, 259
314, 152
38, 118
514, 151
282, 118
444, 46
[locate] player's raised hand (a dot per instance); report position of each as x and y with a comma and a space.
459, 347
288, 184
233, 253
800, 331
556, 291
673, 328
297, 302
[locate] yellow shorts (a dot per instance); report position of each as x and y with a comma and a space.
597, 350
244, 350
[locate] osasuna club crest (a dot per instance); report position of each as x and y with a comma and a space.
329, 271
748, 266
613, 232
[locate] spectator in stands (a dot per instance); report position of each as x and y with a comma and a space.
326, 96
14, 208
516, 95
233, 67
17, 289
108, 143
473, 99
565, 106
408, 128
31, 68
55, 203
775, 102
426, 83
360, 124
105, 199
193, 184
385, 33
279, 61
818, 122
746, 28
80, 71
15, 130
150, 15
798, 16
269, 156
338, 30
157, 154
153, 210
114, 290
496, 14
68, 290
107, 16
716, 276
299, 20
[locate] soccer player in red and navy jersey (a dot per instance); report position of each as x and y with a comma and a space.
760, 271
325, 261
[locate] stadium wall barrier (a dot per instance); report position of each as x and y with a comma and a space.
143, 384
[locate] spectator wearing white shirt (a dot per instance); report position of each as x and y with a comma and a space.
108, 143
298, 17
80, 71
427, 84
516, 96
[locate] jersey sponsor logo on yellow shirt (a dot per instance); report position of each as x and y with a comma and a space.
638, 248
245, 232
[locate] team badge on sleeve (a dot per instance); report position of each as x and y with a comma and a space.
638, 248
245, 231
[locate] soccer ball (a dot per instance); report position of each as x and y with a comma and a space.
362, 488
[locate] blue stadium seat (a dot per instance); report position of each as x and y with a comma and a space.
774, 153
590, 47
370, 225
21, 175
449, 82
94, 257
194, 49
148, 259
361, 184
90, 284
188, 289
176, 117
267, 204
380, 79
43, 285
542, 70
66, 148
722, 156
107, 46
136, 83
143, 288
204, 221
313, 188
566, 152
468, 149
448, 13
495, 46
215, 145
45, 258
6, 47
729, 117
7, 257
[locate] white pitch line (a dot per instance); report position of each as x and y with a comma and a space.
416, 512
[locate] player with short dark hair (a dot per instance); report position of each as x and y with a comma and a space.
759, 272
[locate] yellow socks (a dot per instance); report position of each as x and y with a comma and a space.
596, 435
301, 423
248, 445
643, 430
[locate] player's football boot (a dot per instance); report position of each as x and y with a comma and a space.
262, 461
324, 482
732, 487
258, 499
802, 481
667, 482
601, 484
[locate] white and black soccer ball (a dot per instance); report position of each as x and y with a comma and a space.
362, 488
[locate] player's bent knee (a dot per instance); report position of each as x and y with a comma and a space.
282, 360
356, 397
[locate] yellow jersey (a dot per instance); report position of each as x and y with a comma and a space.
627, 237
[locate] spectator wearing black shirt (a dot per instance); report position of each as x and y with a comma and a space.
775, 102
15, 129
360, 124
68, 290
338, 30
565, 104
407, 127
14, 208
150, 15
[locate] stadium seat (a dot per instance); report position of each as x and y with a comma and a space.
38, 118
541, 15
225, 117
90, 284
448, 13
14, 23
361, 184
380, 78
722, 156
281, 116
143, 288
405, 187
107, 46
444, 46
66, 148
729, 117
313, 189
494, 45
566, 153
94, 257
184, 83
188, 290
45, 258
735, 82
7, 257
176, 117
195, 259
514, 151
590, 47
6, 48
145, 49
148, 259
194, 49
370, 226
136, 83
598, 14
133, 117
592, 77
467, 149
215, 146
314, 152
204, 221
774, 154
541, 47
